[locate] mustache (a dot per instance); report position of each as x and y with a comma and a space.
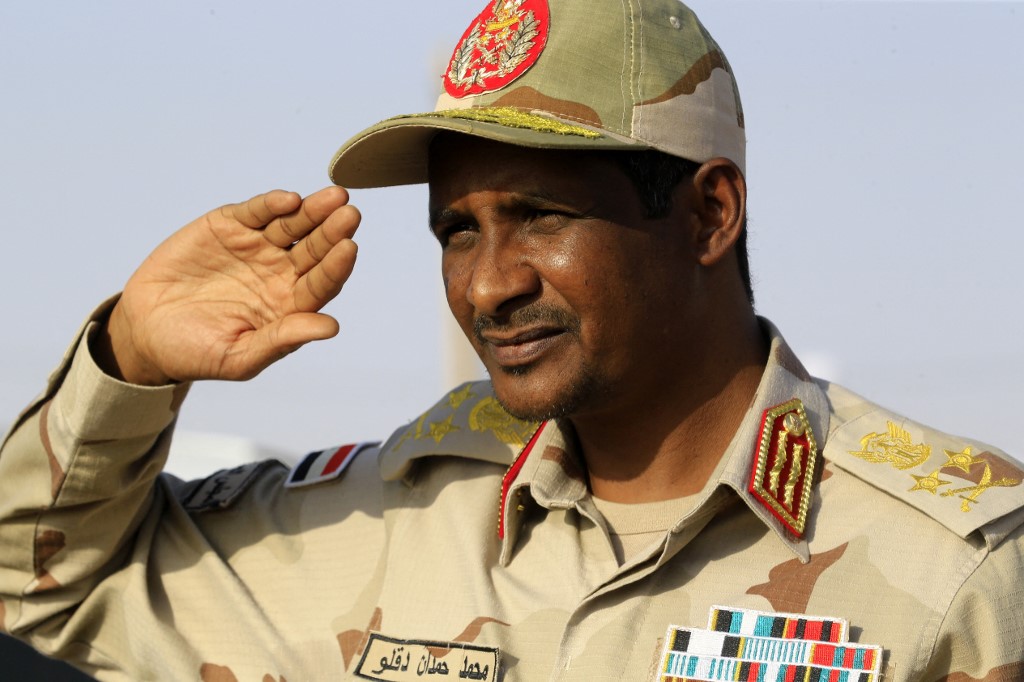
538, 314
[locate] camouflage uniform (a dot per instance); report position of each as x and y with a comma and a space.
469, 536
134, 575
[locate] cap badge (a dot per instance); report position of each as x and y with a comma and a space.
784, 459
501, 44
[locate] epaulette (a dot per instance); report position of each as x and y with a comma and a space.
965, 485
467, 422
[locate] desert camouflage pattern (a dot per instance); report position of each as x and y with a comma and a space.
663, 102
688, 105
134, 575
636, 73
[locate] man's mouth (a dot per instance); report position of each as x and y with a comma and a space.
518, 347
524, 336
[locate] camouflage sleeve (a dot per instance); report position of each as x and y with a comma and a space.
982, 635
76, 480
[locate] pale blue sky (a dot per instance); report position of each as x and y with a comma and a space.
884, 165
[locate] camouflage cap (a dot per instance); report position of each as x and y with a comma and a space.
568, 74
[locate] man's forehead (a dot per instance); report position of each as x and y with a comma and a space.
498, 165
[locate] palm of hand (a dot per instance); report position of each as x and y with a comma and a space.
236, 289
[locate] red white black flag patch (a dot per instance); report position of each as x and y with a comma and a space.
784, 457
324, 465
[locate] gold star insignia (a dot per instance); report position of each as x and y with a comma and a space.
962, 460
930, 483
456, 398
438, 430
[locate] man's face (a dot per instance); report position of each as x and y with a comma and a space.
574, 301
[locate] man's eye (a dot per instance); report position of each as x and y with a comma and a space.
548, 218
456, 233
537, 213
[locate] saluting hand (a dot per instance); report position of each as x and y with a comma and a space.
233, 291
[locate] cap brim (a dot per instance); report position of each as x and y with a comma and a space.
394, 151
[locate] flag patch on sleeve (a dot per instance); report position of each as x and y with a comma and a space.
324, 465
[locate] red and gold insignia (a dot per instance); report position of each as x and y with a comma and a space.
784, 459
501, 44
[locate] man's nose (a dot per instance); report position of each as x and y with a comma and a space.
502, 274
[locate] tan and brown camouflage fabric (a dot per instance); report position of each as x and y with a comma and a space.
103, 563
628, 74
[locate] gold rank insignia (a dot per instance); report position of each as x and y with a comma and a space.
893, 447
784, 457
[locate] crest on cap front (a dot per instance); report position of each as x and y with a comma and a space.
501, 44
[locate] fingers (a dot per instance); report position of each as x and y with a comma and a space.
339, 225
325, 280
273, 342
287, 229
262, 208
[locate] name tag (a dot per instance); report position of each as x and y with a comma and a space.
389, 659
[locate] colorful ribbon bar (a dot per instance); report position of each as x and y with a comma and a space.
774, 650
743, 645
681, 667
782, 625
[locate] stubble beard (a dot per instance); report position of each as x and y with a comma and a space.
571, 394
582, 390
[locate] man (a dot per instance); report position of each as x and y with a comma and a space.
651, 488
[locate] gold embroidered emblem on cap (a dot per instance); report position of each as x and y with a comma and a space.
488, 415
894, 447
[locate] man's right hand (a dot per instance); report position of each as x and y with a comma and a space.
233, 291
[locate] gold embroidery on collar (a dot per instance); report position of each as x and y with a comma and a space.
784, 456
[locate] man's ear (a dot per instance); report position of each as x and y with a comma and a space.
721, 205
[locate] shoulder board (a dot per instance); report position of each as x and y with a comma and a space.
467, 422
965, 485
220, 490
324, 465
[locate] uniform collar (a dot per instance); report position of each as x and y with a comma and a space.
784, 380
549, 468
